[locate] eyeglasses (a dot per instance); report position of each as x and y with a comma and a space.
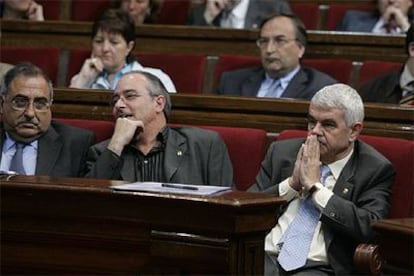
20, 103
279, 42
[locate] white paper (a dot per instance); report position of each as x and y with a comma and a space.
170, 188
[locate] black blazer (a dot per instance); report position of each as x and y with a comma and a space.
62, 150
383, 89
247, 81
192, 156
361, 196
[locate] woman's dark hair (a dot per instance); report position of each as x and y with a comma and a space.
116, 21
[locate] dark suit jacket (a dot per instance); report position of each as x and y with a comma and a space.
257, 11
62, 150
247, 81
361, 196
192, 156
384, 89
358, 21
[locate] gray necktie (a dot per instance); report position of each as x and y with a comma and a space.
298, 236
16, 163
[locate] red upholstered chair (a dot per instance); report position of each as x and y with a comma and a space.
339, 69
308, 12
233, 62
186, 70
76, 59
337, 11
371, 69
51, 9
88, 10
102, 129
247, 148
173, 12
45, 58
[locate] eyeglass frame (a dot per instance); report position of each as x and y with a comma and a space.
27, 101
278, 41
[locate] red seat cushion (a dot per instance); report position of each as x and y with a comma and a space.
102, 129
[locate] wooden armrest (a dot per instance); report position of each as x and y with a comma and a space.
367, 259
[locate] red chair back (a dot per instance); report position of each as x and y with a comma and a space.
186, 70
76, 59
309, 13
51, 9
88, 10
102, 129
339, 69
400, 153
45, 58
371, 69
173, 12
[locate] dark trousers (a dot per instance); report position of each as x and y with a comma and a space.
312, 268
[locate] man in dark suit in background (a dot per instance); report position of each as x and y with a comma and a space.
390, 17
144, 148
395, 87
46, 147
354, 193
282, 44
238, 14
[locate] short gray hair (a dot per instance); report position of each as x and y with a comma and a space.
343, 97
25, 69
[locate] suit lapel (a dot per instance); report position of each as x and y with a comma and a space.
251, 86
295, 85
175, 151
49, 148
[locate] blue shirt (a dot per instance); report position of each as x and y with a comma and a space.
284, 82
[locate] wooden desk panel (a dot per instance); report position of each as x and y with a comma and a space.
64, 225
397, 245
272, 115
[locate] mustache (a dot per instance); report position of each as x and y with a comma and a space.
28, 121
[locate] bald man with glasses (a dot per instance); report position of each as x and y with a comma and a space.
31, 143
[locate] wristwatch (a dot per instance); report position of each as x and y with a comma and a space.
316, 187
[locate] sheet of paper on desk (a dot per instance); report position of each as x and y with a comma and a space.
170, 188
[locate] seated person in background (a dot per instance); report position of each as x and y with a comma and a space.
352, 191
30, 142
392, 17
238, 14
395, 87
282, 44
144, 148
113, 40
21, 9
140, 11
4, 67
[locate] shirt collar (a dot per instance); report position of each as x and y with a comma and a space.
337, 166
284, 81
240, 10
9, 143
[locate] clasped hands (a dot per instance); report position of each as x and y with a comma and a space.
307, 166
395, 17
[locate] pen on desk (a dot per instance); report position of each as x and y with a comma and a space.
175, 186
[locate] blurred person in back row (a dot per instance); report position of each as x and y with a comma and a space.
140, 11
390, 17
238, 14
144, 148
113, 41
46, 147
282, 44
21, 9
394, 87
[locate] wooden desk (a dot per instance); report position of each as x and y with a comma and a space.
397, 245
78, 226
272, 115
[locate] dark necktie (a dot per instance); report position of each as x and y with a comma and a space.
16, 163
298, 236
